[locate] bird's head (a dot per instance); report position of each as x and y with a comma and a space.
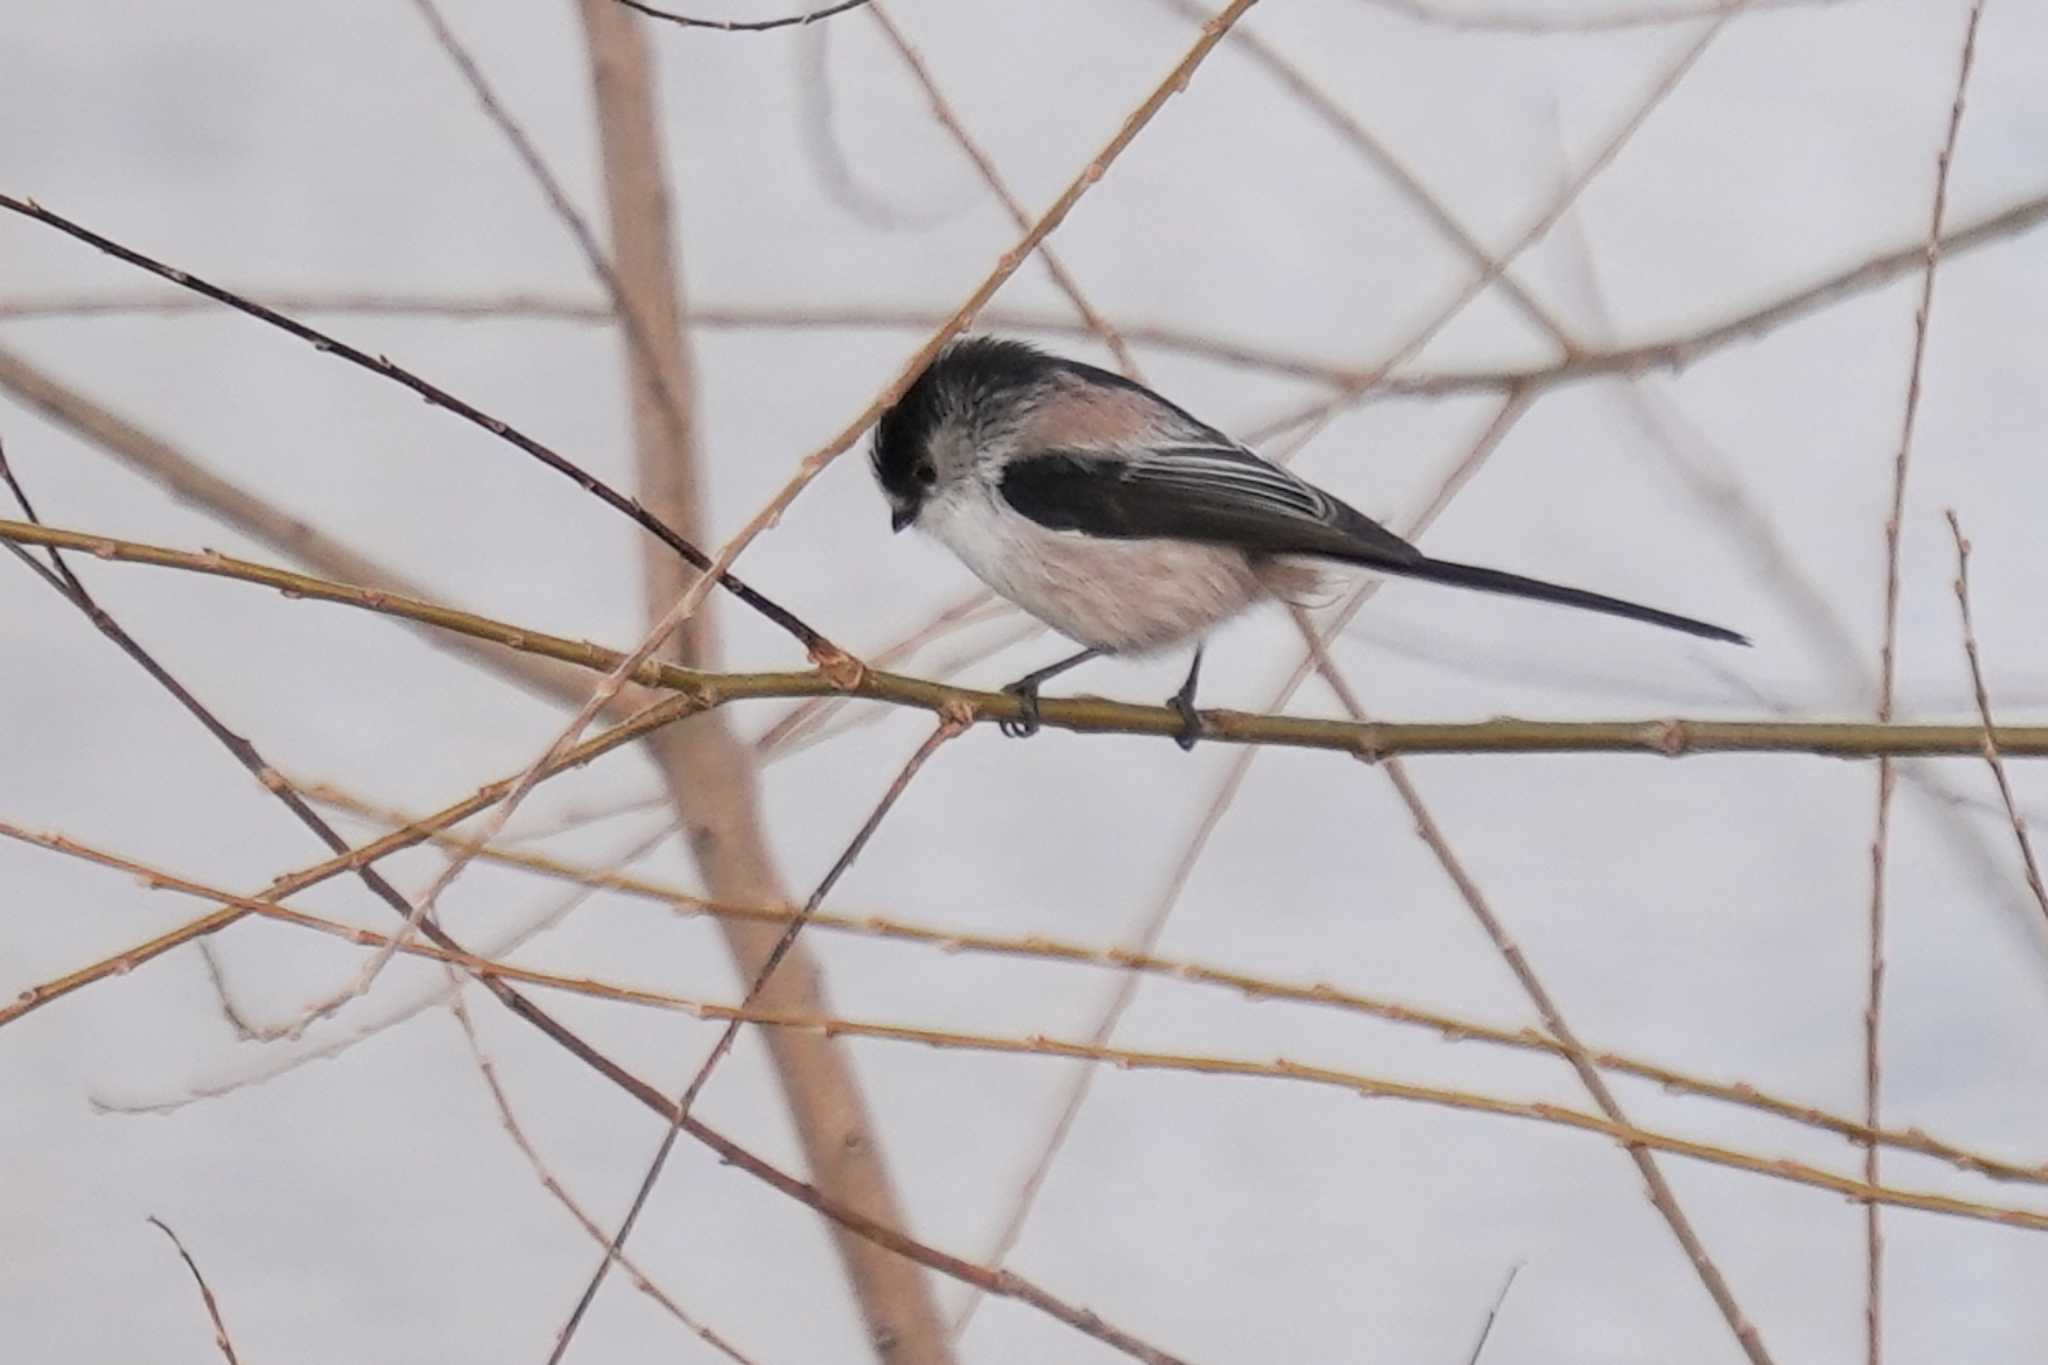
960, 409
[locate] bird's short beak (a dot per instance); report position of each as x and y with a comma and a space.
900, 517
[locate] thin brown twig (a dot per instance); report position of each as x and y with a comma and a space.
238, 746
1251, 986
1880, 843
188, 481
538, 306
1319, 413
948, 119
1362, 140
558, 758
652, 374
494, 977
221, 1340
1575, 1052
418, 914
496, 974
1491, 270
1666, 737
1137, 946
117, 964
509, 1120
1018, 629
1154, 925
1673, 352
1661, 1195
826, 150
971, 608
657, 379
1705, 473
710, 776
1992, 757
807, 469
852, 851
1676, 352
270, 1066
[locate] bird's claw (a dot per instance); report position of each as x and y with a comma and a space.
1026, 723
1190, 721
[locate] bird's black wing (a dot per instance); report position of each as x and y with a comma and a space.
1215, 494
1225, 495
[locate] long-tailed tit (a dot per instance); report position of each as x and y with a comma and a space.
1123, 522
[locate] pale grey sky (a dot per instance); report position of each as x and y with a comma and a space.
1709, 913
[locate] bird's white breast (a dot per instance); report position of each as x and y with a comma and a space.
1118, 596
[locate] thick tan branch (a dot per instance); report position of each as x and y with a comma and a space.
710, 775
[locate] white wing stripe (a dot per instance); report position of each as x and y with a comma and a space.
1238, 473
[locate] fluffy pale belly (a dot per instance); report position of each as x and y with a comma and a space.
1118, 596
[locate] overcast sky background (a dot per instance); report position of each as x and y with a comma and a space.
1708, 913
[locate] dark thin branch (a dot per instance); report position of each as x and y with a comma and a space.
220, 1329
814, 643
1493, 1313
2029, 865
742, 25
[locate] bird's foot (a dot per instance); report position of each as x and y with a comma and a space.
1190, 721
1026, 723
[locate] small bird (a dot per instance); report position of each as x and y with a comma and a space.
1126, 524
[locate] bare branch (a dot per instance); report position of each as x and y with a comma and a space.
190, 482
553, 1185
440, 398
1007, 264
494, 977
742, 25
1660, 1191
220, 1329
1666, 737
985, 166
1887, 672
1991, 755
1038, 1045
710, 776
723, 1046
242, 1075
495, 974
1153, 926
1376, 153
1493, 1313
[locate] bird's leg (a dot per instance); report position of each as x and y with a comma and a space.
1025, 689
1183, 701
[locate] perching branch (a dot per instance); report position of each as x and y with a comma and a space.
1667, 737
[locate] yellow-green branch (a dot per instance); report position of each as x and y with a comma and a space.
1670, 737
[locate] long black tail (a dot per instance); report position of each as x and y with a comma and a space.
1514, 585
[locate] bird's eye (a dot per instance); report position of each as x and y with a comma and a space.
923, 472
